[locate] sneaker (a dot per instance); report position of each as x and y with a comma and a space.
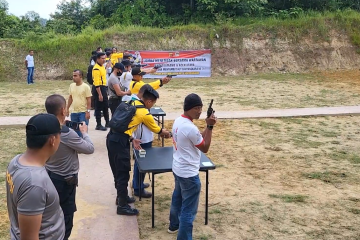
126, 210
101, 128
146, 185
172, 230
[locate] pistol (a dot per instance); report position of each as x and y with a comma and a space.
170, 76
210, 110
157, 66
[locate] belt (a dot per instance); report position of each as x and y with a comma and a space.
69, 178
114, 98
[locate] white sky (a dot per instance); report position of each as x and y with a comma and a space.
42, 7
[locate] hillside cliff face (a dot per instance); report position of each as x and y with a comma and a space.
230, 56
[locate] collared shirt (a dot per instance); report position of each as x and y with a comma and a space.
142, 132
65, 161
136, 85
99, 75
142, 115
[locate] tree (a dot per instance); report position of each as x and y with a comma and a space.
4, 6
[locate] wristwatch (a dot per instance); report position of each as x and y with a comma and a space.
88, 110
210, 127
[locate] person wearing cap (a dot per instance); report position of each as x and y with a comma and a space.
188, 143
79, 102
63, 166
100, 93
32, 200
137, 81
118, 146
125, 79
116, 91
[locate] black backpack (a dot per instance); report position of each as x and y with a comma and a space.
89, 75
123, 115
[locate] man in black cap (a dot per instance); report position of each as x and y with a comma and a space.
63, 166
137, 81
116, 91
32, 200
188, 145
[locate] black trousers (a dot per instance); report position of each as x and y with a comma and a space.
118, 147
101, 106
67, 194
113, 104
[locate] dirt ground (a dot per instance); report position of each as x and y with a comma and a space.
275, 179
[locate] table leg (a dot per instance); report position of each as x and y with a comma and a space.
162, 124
152, 201
139, 184
207, 197
158, 120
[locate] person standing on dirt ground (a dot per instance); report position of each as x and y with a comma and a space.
63, 166
32, 201
118, 146
100, 93
116, 91
30, 66
188, 143
79, 102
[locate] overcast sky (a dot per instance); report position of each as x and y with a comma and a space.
42, 7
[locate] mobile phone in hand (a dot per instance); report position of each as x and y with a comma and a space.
73, 125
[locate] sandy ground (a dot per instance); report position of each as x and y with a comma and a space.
275, 179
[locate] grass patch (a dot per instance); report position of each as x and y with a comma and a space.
328, 177
344, 155
290, 198
354, 210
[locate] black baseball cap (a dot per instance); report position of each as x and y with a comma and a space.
126, 62
43, 124
119, 66
137, 71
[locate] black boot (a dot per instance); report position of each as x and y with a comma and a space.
129, 200
124, 209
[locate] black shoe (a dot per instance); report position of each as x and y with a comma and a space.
101, 128
146, 185
126, 210
172, 230
107, 125
144, 194
128, 199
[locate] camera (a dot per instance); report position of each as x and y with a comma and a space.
73, 125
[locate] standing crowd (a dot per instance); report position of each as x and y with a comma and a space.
41, 183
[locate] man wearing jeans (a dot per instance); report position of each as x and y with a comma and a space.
29, 63
79, 102
188, 144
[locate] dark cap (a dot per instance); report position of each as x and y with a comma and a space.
119, 66
137, 71
126, 63
42, 125
192, 100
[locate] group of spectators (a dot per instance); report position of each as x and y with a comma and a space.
41, 183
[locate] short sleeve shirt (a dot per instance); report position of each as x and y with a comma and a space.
30, 192
113, 80
186, 156
125, 81
79, 95
30, 61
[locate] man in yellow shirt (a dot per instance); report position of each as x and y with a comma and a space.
100, 93
115, 57
118, 146
138, 82
79, 102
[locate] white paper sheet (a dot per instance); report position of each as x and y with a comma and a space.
207, 164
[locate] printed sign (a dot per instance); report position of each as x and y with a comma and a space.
184, 64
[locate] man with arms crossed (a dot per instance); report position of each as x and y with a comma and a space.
32, 200
29, 63
63, 166
118, 146
188, 145
79, 100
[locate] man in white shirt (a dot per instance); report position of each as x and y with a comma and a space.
29, 63
125, 79
188, 144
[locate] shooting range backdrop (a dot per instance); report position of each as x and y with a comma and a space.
184, 64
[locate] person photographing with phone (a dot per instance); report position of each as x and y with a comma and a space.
188, 143
63, 166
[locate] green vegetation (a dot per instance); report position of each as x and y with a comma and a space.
290, 198
328, 177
